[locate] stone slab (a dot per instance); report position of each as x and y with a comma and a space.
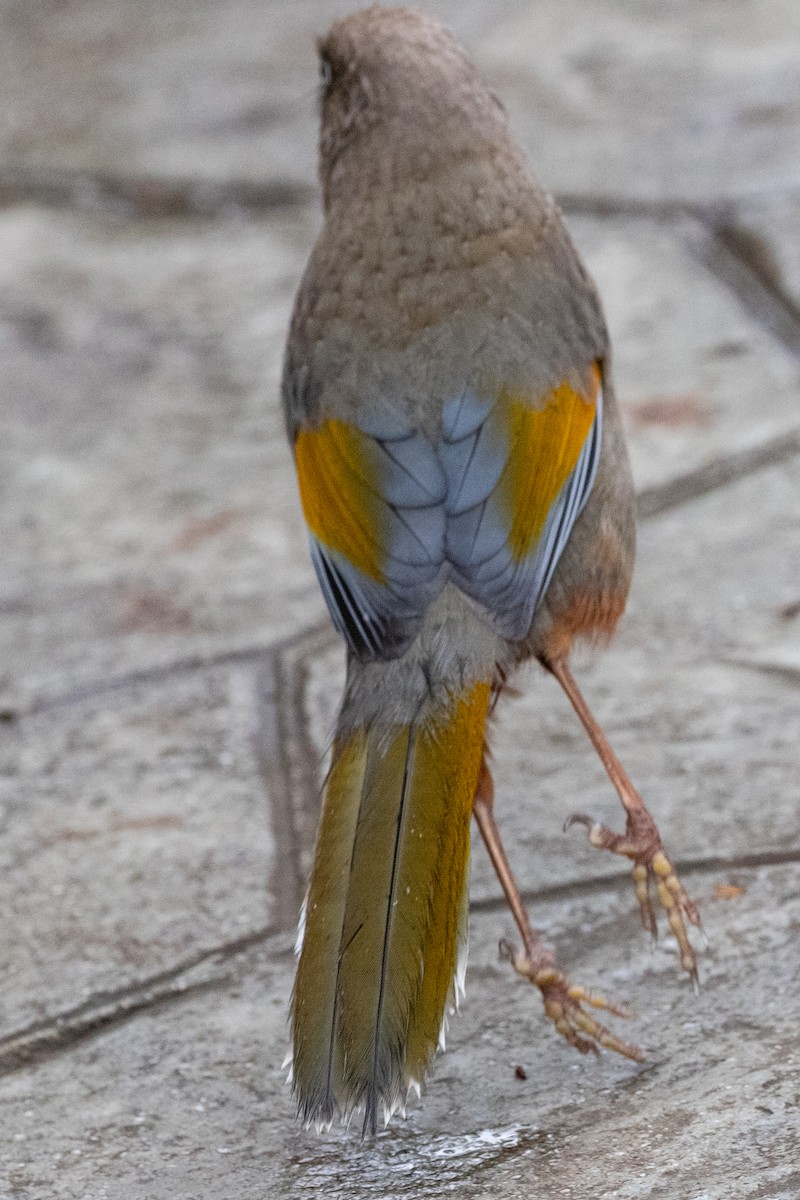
149, 510
190, 1099
136, 833
653, 101
696, 375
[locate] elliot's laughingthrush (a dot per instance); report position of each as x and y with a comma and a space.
448, 395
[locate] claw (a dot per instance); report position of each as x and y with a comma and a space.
563, 1003
579, 819
641, 842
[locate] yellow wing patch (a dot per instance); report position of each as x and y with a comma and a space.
340, 494
544, 447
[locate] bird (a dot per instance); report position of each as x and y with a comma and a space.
448, 397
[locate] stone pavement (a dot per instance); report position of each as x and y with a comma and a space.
168, 677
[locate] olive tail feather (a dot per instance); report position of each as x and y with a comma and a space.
385, 914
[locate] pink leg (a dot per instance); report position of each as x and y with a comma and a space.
641, 841
563, 1001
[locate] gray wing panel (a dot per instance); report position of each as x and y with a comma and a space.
476, 536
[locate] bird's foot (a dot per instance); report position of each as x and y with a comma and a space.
564, 1002
642, 843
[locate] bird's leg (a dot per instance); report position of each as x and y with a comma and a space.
641, 841
563, 1001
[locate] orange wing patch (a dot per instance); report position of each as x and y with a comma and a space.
340, 494
544, 447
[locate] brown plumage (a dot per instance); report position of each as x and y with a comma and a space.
448, 394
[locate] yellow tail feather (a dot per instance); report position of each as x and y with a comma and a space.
385, 910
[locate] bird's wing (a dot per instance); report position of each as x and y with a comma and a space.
373, 496
495, 498
519, 473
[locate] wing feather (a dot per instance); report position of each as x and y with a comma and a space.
490, 504
505, 546
375, 511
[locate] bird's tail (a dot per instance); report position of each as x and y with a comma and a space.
385, 914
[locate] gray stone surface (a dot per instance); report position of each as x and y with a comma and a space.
613, 97
149, 509
189, 1099
168, 680
130, 839
190, 89
696, 375
654, 101
768, 234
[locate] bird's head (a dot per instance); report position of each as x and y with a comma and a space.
398, 93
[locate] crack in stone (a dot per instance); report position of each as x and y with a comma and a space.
271, 746
755, 254
717, 474
787, 672
617, 880
191, 665
714, 212
577, 204
53, 1035
287, 763
739, 261
131, 197
305, 759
